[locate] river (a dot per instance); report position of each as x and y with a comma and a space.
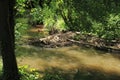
68, 59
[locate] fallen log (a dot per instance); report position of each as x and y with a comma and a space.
98, 47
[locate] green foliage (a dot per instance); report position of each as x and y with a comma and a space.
20, 27
86, 16
51, 18
52, 76
60, 25
20, 7
31, 74
112, 30
94, 17
36, 16
28, 74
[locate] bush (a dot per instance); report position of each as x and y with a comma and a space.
112, 30
32, 74
20, 27
28, 74
52, 76
36, 16
20, 7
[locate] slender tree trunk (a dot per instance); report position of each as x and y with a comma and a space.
10, 70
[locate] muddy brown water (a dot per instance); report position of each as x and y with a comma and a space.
68, 59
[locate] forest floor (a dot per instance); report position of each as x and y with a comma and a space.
74, 61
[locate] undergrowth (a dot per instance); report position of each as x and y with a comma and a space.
28, 73
57, 74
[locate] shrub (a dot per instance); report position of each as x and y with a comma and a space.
112, 30
20, 27
28, 73
36, 16
52, 76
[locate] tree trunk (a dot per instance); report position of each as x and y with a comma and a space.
10, 70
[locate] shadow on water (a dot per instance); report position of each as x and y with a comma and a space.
70, 63
79, 74
43, 53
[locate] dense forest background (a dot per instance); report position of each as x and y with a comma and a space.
100, 18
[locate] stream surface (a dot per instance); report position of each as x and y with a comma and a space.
68, 59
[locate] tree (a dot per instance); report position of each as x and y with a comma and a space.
10, 70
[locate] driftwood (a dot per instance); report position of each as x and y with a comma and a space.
56, 40
66, 39
103, 47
